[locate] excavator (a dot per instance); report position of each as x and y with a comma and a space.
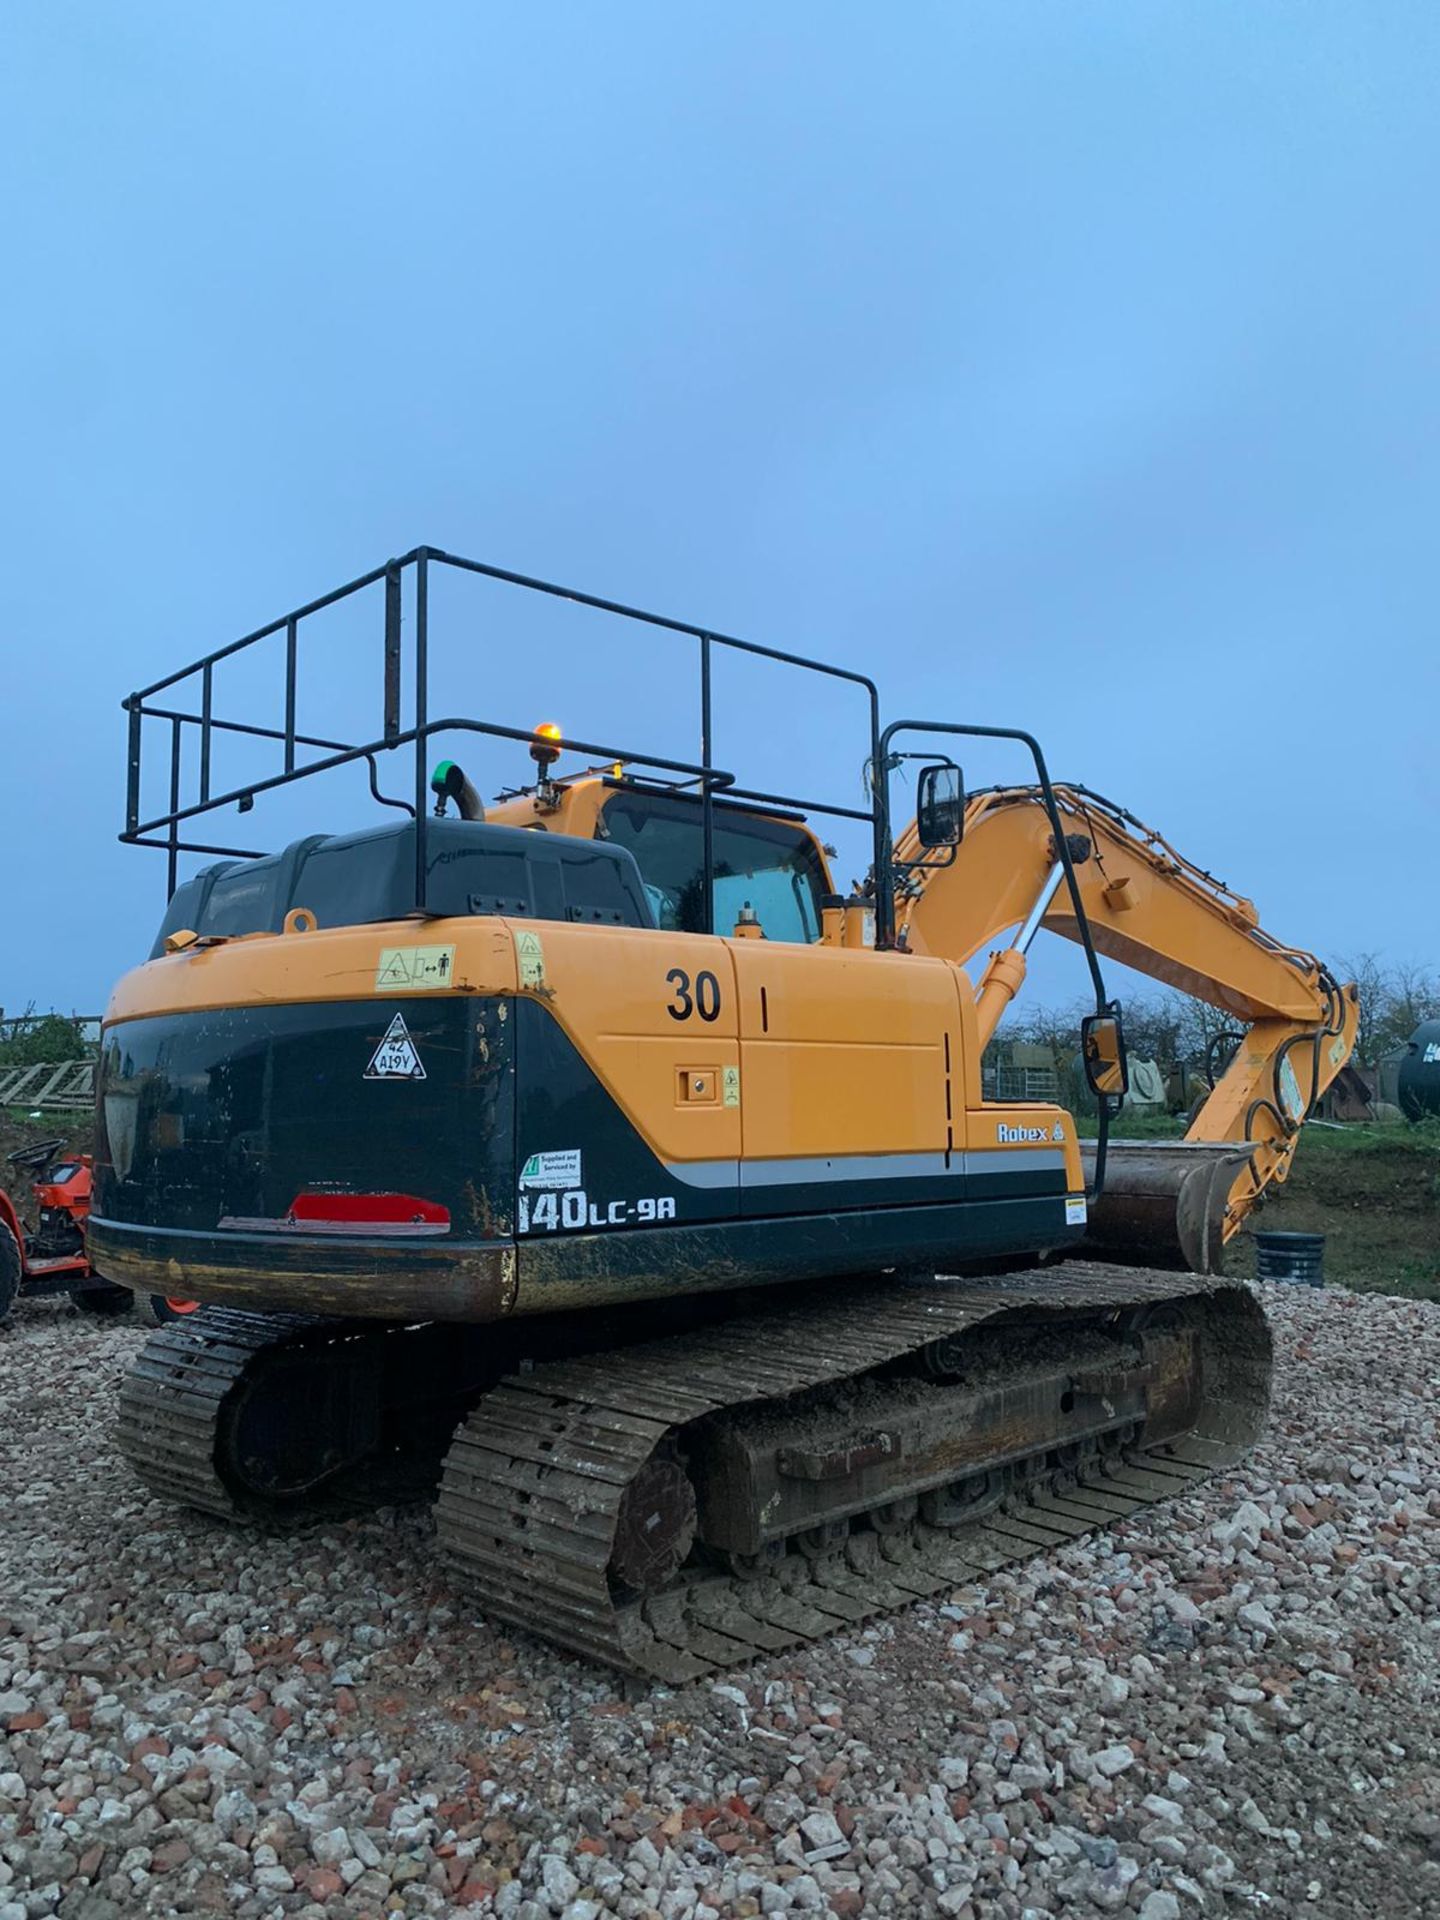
588, 1155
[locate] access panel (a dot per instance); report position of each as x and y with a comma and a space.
849, 1077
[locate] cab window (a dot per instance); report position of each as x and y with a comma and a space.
771, 865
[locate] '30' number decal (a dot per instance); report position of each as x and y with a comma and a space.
705, 1000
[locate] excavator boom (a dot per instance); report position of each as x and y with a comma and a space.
1159, 914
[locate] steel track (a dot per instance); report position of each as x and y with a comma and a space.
171, 1401
536, 1478
175, 1401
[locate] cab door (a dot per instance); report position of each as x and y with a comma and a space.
846, 1061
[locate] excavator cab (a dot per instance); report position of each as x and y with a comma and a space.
764, 860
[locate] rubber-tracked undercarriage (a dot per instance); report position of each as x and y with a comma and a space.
590, 1162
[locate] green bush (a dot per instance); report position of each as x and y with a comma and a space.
52, 1037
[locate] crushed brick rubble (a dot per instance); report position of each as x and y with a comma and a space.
1225, 1705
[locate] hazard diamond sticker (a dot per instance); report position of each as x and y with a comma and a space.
395, 1058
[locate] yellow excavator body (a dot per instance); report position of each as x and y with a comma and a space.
755, 1074
591, 1153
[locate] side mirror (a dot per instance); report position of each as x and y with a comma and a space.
1102, 1055
940, 805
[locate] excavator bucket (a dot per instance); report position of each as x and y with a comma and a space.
1164, 1201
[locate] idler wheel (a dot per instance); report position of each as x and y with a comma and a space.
655, 1527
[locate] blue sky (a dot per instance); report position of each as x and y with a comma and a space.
1066, 366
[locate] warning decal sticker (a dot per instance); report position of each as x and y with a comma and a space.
530, 953
395, 1058
414, 969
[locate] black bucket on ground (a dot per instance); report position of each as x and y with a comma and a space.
1297, 1259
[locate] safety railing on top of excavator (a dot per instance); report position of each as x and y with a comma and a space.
308, 754
883, 757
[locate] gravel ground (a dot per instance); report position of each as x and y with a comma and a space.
1228, 1705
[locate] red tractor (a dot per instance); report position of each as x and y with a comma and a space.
52, 1259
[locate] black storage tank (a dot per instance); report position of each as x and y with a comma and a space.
1296, 1258
1419, 1083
